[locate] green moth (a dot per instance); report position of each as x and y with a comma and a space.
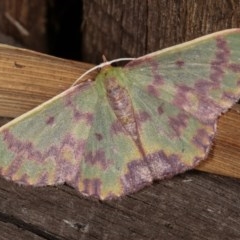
151, 119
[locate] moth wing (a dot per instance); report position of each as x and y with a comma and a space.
45, 145
177, 95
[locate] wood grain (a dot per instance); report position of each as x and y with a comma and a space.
134, 28
224, 157
192, 206
29, 78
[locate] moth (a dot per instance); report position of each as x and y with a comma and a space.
111, 136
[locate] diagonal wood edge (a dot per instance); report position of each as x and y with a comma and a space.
29, 78
224, 157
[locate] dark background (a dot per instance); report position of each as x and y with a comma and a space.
84, 30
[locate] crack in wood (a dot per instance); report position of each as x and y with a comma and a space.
27, 227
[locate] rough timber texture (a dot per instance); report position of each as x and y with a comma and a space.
134, 28
190, 206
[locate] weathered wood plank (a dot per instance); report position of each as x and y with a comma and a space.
190, 206
29, 78
14, 231
134, 28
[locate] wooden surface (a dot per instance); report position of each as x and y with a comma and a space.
136, 27
29, 78
193, 205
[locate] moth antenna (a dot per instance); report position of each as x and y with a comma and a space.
101, 66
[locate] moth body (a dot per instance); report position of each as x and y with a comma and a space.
120, 101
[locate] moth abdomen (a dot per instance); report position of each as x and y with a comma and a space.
121, 104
